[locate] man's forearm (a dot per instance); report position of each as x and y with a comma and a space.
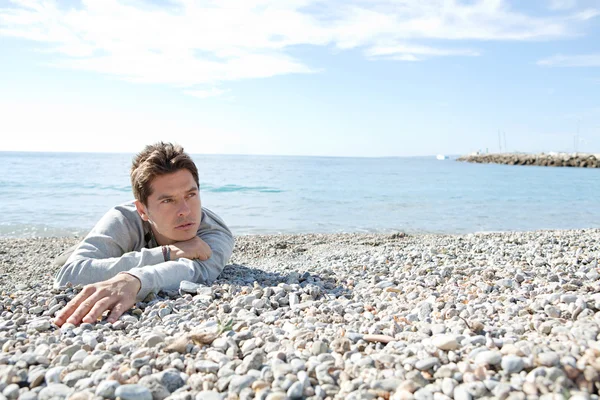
169, 275
84, 270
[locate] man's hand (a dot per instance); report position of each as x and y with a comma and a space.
116, 294
193, 249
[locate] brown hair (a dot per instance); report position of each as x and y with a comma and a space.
155, 160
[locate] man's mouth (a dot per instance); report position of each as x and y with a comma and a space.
185, 226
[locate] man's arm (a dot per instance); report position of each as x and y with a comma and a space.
168, 275
118, 294
107, 250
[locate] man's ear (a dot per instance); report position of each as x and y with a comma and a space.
142, 210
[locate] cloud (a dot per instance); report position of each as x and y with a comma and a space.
188, 43
582, 60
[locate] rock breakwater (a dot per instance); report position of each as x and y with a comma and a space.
580, 160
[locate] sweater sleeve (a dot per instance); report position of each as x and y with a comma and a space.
168, 275
106, 251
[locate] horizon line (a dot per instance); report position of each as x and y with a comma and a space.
226, 154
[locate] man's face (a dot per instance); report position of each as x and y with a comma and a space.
174, 208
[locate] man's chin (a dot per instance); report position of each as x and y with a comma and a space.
183, 236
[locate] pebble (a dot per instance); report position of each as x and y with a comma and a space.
512, 364
445, 342
107, 389
189, 287
36, 377
296, 390
239, 382
171, 379
207, 366
11, 391
461, 393
548, 359
153, 340
79, 356
133, 392
40, 325
53, 374
387, 385
568, 298
209, 395
427, 363
319, 347
489, 357
55, 391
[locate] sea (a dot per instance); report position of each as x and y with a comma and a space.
65, 194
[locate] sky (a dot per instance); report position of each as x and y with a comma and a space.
373, 78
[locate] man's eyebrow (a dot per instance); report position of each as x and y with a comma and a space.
168, 196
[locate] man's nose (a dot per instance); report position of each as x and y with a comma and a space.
184, 209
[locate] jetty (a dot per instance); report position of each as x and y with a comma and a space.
579, 160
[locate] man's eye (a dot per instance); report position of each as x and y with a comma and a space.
191, 194
165, 201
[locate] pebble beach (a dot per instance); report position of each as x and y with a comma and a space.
339, 316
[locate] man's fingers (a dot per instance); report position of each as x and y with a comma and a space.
116, 312
84, 307
205, 251
94, 299
66, 312
61, 316
97, 310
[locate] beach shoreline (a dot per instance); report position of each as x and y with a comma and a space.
481, 315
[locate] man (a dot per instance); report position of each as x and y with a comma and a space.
152, 243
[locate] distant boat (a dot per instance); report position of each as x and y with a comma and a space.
442, 157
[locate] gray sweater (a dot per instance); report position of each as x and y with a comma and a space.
122, 242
